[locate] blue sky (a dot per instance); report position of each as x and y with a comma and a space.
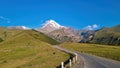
74, 13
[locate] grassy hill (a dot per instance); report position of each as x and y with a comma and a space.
30, 49
8, 33
40, 36
109, 36
111, 52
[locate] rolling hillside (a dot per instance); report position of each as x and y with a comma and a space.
8, 33
109, 36
30, 49
40, 36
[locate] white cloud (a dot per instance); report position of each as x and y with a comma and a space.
91, 27
95, 26
88, 27
2, 18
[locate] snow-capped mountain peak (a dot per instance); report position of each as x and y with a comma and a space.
52, 23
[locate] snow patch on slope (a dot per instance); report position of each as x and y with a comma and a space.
19, 27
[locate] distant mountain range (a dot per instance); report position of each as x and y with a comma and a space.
60, 33
67, 34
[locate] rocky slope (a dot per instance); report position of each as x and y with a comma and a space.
66, 35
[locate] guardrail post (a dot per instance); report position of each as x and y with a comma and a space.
62, 65
74, 60
76, 56
70, 63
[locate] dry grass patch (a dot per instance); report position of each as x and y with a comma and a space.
111, 52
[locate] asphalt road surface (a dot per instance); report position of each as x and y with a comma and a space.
91, 61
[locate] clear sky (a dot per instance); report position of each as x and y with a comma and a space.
74, 13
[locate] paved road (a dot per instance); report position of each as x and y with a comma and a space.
91, 61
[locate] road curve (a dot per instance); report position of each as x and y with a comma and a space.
91, 61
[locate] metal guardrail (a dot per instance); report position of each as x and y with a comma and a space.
70, 62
